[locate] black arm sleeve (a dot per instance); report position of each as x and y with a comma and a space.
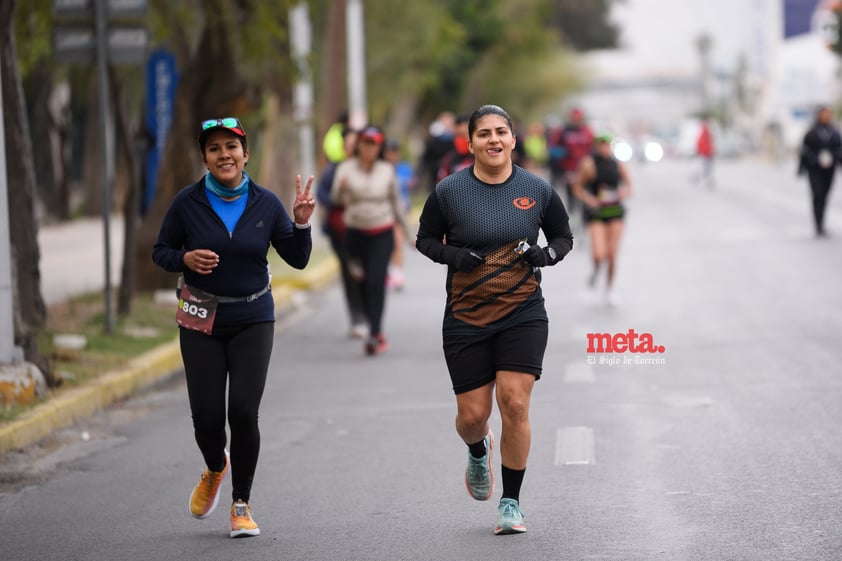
556, 228
431, 232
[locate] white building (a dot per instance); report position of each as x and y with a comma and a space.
658, 76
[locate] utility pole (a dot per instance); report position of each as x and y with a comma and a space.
7, 324
107, 131
300, 39
703, 45
357, 105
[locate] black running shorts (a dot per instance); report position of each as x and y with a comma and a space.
474, 360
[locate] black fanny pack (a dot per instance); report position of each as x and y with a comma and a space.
229, 299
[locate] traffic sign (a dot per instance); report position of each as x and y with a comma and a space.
85, 8
77, 44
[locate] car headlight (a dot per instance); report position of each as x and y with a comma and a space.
653, 151
623, 151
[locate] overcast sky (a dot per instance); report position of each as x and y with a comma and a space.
662, 34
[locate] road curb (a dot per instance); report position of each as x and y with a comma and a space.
67, 407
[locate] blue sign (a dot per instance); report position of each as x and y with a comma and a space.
798, 17
161, 80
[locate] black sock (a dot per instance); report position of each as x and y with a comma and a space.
477, 449
512, 480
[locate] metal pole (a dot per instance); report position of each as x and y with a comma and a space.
300, 39
107, 150
7, 325
357, 112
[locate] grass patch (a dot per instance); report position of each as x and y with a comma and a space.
9, 411
147, 326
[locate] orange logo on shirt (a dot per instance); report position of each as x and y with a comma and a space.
524, 203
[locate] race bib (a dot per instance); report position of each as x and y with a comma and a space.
825, 159
607, 195
196, 309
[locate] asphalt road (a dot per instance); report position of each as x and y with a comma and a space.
726, 446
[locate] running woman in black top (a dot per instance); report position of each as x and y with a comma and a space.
483, 223
602, 185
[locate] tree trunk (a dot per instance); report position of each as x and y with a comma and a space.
131, 205
30, 312
204, 91
59, 107
333, 72
39, 88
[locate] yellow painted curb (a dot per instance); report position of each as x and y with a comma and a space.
68, 407
74, 404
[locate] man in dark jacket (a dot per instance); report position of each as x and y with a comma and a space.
820, 152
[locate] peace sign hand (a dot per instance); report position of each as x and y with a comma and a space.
304, 204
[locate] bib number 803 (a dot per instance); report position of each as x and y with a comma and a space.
194, 310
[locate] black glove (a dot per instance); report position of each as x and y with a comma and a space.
536, 256
467, 260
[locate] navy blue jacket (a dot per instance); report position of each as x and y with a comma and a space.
191, 223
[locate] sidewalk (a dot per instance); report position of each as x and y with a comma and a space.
72, 264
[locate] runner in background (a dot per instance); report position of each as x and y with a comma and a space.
567, 146
535, 147
366, 186
438, 143
333, 143
459, 156
333, 225
821, 152
395, 279
705, 151
602, 185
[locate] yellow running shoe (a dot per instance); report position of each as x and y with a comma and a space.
205, 495
242, 524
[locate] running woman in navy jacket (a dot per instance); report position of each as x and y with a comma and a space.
217, 234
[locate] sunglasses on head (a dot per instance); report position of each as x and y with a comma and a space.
227, 122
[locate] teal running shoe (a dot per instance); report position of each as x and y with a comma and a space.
510, 518
478, 476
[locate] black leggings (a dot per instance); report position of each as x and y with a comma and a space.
353, 291
239, 356
820, 183
372, 252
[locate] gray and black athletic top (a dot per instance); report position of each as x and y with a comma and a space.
464, 212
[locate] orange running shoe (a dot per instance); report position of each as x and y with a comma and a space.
242, 524
205, 495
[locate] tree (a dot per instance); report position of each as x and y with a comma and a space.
466, 52
539, 70
332, 67
29, 308
584, 24
409, 63
47, 98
